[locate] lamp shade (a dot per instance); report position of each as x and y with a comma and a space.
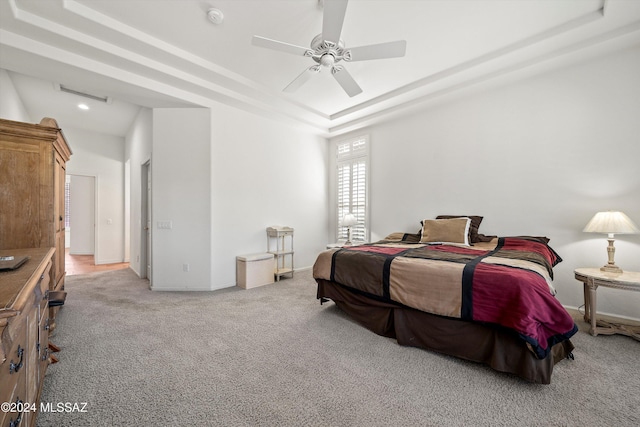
349, 219
611, 223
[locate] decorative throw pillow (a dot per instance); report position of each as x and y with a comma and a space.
404, 237
475, 225
397, 236
411, 237
453, 230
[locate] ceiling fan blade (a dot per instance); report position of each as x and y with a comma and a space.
332, 19
281, 46
302, 79
377, 51
346, 81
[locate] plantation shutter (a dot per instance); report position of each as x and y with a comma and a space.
352, 159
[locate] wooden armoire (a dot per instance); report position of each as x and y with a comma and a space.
32, 191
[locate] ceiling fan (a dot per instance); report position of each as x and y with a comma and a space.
327, 50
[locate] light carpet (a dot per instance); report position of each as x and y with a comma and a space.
273, 356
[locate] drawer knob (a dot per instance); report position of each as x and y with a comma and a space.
16, 422
13, 367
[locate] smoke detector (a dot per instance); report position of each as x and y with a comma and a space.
215, 15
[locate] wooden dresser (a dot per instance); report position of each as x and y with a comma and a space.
32, 191
24, 335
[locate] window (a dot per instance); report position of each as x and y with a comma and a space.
352, 158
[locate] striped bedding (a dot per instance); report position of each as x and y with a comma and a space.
506, 282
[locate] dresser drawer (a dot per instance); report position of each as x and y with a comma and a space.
13, 370
17, 399
43, 345
45, 278
42, 288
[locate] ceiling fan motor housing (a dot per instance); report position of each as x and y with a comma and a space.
326, 52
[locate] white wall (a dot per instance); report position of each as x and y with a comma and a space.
102, 156
138, 145
221, 190
264, 173
539, 157
11, 106
181, 194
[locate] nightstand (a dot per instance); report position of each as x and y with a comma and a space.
594, 277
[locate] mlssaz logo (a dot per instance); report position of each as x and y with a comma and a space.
63, 407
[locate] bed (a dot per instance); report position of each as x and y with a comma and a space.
488, 300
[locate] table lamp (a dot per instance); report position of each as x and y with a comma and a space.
349, 220
611, 223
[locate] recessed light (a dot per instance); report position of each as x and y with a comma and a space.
83, 106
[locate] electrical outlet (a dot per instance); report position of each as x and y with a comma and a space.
186, 268
165, 225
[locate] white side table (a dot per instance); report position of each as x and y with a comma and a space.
594, 277
283, 252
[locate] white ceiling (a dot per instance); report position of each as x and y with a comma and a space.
166, 53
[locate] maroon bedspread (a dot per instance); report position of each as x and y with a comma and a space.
506, 282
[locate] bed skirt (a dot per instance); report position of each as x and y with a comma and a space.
501, 349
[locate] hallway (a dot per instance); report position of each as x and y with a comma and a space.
82, 264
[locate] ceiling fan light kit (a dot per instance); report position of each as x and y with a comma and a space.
327, 50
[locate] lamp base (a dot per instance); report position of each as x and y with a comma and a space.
348, 242
611, 269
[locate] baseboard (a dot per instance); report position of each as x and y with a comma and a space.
134, 270
174, 289
109, 261
610, 316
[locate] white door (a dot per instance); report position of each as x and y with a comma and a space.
148, 227
145, 223
82, 215
127, 211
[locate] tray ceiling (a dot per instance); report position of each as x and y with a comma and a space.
167, 53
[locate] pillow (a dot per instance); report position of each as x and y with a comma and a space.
485, 238
539, 239
450, 230
475, 225
396, 237
404, 237
411, 237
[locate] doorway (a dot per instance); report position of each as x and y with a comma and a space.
82, 214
